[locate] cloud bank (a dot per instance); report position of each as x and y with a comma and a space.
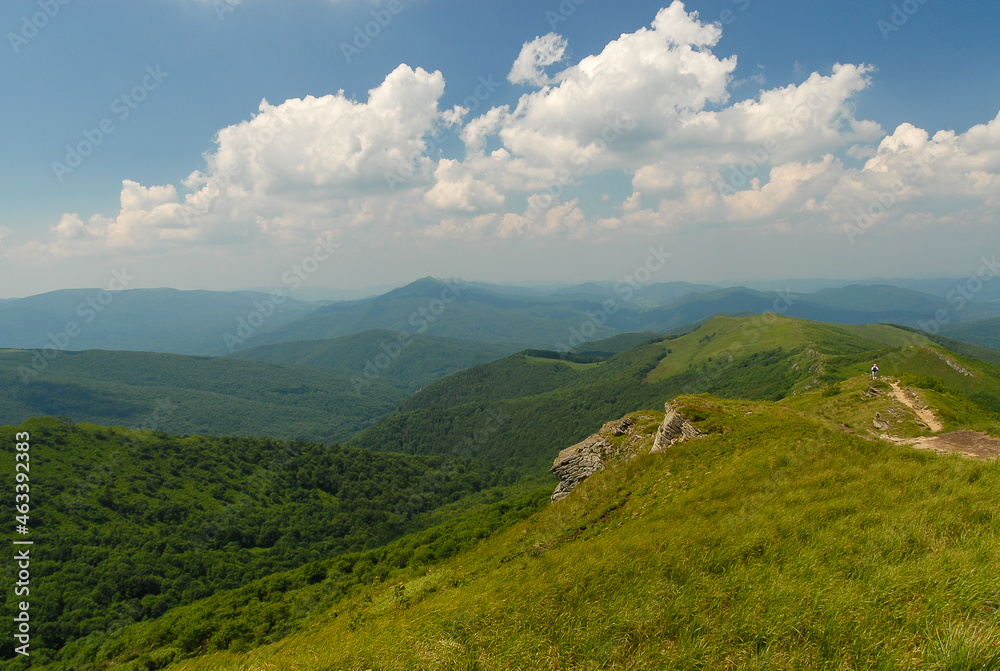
654, 109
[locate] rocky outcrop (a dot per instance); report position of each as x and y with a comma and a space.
617, 441
674, 429
954, 366
578, 462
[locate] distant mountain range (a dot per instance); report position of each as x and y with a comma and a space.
151, 320
512, 318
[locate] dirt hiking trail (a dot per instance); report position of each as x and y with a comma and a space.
971, 444
925, 414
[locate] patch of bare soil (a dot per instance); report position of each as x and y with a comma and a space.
925, 414
971, 444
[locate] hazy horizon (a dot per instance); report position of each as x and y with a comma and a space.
314, 293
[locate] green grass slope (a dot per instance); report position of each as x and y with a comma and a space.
774, 542
129, 524
406, 361
188, 394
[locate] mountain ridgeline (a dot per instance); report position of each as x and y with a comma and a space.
219, 323
515, 411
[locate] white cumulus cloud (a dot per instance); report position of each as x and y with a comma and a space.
535, 56
654, 109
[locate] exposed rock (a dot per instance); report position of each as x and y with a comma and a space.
674, 429
953, 365
617, 441
622, 426
578, 462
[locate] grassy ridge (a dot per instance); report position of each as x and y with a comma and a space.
550, 404
773, 543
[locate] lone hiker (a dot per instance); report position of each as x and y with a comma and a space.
874, 371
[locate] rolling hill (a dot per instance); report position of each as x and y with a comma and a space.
449, 309
568, 317
203, 322
853, 304
516, 412
408, 362
189, 394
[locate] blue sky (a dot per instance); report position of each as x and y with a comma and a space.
518, 185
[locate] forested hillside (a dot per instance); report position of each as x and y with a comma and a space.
406, 361
985, 333
188, 394
129, 524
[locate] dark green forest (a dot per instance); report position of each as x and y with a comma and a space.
128, 524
